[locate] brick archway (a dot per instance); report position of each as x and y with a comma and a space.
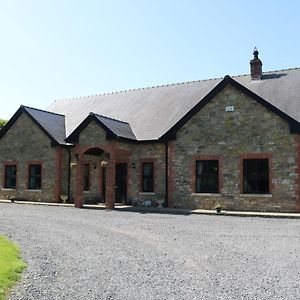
98, 150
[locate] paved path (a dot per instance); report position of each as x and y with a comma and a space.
97, 254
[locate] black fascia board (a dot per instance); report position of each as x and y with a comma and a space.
171, 133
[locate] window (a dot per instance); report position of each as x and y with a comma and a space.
147, 177
207, 176
86, 177
35, 177
10, 176
256, 176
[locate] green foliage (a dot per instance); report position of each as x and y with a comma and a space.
10, 265
2, 123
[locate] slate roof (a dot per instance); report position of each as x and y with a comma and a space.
151, 112
52, 124
119, 128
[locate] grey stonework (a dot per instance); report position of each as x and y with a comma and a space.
25, 142
93, 135
250, 128
144, 152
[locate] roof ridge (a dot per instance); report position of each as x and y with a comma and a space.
42, 110
94, 114
268, 72
169, 84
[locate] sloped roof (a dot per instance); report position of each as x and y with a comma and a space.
151, 112
119, 128
114, 128
52, 124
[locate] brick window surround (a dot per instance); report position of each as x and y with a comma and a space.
142, 162
262, 155
5, 165
207, 157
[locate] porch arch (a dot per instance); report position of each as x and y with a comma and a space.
105, 159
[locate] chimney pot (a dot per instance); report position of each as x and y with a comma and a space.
256, 66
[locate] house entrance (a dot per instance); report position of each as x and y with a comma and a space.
121, 183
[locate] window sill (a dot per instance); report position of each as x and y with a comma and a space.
256, 195
8, 189
146, 193
206, 195
86, 192
32, 190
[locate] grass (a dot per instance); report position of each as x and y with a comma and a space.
11, 266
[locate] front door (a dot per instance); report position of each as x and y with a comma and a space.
121, 183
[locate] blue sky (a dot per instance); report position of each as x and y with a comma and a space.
55, 49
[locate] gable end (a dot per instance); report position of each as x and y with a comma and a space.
171, 133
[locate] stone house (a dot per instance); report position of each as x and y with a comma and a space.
233, 141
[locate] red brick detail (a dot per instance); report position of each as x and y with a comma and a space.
170, 172
9, 163
261, 155
297, 181
57, 188
34, 162
140, 171
113, 152
110, 183
78, 201
207, 157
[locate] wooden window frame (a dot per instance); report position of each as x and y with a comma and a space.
10, 164
202, 158
147, 162
30, 164
263, 155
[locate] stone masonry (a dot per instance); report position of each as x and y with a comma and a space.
26, 143
250, 131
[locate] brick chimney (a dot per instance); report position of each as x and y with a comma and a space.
256, 66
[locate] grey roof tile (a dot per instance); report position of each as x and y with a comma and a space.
52, 123
151, 112
119, 128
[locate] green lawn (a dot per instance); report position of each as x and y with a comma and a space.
10, 265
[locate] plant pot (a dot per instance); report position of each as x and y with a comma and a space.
218, 209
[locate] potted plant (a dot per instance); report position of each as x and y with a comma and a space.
218, 208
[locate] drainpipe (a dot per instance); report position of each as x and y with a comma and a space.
69, 175
167, 173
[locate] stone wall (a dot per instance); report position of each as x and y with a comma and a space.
250, 128
25, 143
130, 153
152, 152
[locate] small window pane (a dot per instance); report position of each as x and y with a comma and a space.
10, 176
256, 176
147, 177
35, 177
207, 176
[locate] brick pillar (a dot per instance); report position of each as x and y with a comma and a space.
297, 182
110, 182
78, 201
57, 188
171, 153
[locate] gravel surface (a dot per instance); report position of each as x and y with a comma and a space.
95, 254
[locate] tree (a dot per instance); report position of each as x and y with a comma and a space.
2, 123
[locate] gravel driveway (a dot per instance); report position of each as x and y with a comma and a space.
94, 254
